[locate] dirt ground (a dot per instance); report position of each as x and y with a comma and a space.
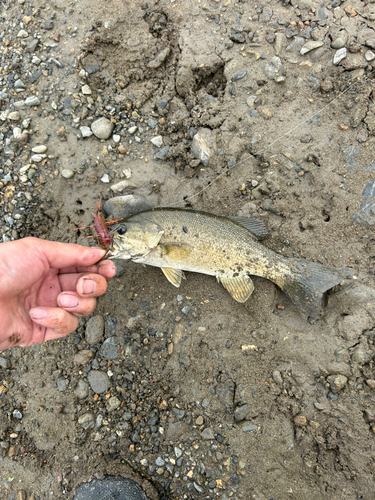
257, 402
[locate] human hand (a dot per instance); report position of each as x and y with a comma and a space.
45, 286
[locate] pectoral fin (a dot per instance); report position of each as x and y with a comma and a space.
240, 288
174, 276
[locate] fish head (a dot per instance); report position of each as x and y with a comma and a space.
131, 240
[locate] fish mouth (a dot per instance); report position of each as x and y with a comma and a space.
116, 251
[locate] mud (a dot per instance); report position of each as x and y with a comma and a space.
303, 164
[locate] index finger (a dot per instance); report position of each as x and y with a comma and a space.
64, 255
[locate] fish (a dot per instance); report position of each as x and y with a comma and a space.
229, 248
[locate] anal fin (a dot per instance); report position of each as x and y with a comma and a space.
240, 288
174, 276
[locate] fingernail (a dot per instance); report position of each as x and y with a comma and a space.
38, 313
67, 300
89, 286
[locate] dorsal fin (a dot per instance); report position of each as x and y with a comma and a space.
255, 226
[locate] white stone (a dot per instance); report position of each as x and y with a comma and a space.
85, 131
127, 172
86, 90
105, 178
116, 138
35, 60
38, 158
311, 45
14, 116
102, 128
369, 56
22, 34
157, 141
39, 149
17, 132
132, 130
67, 173
120, 186
339, 56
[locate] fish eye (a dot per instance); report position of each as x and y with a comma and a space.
122, 230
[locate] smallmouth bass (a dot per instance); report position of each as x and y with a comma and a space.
178, 240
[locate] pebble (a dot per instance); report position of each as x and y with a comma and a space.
369, 55
249, 428
208, 433
240, 412
159, 59
4, 363
339, 42
132, 130
82, 389
32, 101
116, 138
157, 141
119, 187
85, 131
250, 101
14, 116
39, 149
102, 128
310, 45
105, 178
109, 349
339, 56
67, 173
62, 384
86, 90
162, 154
98, 380
202, 146
83, 357
94, 330
371, 383
87, 420
300, 420
113, 403
337, 382
17, 414
239, 76
184, 84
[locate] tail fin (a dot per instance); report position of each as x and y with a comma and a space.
306, 285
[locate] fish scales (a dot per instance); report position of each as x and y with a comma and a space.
178, 240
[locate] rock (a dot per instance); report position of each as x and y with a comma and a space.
250, 101
119, 187
162, 154
61, 384
249, 428
121, 149
67, 173
370, 43
113, 403
32, 101
94, 330
86, 90
109, 349
82, 389
340, 41
23, 138
105, 178
98, 380
17, 414
184, 81
4, 363
38, 158
265, 112
116, 138
310, 45
159, 59
85, 131
157, 141
239, 75
203, 146
90, 64
369, 56
39, 149
176, 430
208, 433
14, 116
337, 382
300, 420
102, 128
240, 412
132, 130
266, 15
83, 357
122, 207
87, 420
339, 56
